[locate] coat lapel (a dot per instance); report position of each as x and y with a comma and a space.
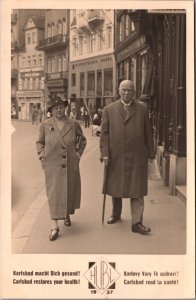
121, 110
131, 112
56, 132
66, 128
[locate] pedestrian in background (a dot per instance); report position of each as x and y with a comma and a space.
72, 114
86, 119
126, 144
34, 115
39, 115
59, 146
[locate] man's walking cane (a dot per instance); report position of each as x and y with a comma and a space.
104, 190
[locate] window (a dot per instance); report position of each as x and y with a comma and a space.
42, 83
143, 70
109, 37
33, 83
100, 40
80, 45
34, 62
64, 27
59, 64
40, 60
49, 32
53, 65
74, 46
64, 63
99, 83
122, 28
28, 38
81, 84
91, 84
49, 65
29, 61
108, 82
52, 30
127, 25
30, 83
23, 62
73, 79
59, 29
34, 37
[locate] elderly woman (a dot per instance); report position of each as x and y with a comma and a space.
59, 146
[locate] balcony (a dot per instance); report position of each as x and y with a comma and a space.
53, 42
95, 17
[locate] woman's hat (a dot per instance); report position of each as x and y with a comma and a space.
56, 101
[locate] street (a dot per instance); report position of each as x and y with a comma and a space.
165, 214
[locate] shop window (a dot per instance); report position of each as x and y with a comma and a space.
108, 82
99, 83
81, 84
91, 84
73, 79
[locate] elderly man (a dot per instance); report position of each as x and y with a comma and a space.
126, 144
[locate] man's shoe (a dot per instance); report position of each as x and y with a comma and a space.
67, 221
140, 228
54, 234
113, 220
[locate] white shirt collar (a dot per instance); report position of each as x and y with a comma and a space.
126, 104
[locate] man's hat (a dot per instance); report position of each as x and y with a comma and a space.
56, 101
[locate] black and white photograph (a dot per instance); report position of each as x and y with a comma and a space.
98, 162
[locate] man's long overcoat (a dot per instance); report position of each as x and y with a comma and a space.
61, 165
127, 141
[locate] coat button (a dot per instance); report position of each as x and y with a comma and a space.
63, 147
63, 166
64, 156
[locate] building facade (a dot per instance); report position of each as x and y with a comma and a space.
92, 62
31, 69
55, 46
151, 51
18, 19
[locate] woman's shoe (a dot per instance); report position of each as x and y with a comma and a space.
67, 221
54, 234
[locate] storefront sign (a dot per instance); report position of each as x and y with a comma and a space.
53, 83
25, 94
90, 62
131, 49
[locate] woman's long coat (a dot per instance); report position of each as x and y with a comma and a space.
61, 165
127, 141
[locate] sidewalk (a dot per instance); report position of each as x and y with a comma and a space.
165, 214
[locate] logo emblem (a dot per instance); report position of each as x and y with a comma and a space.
102, 276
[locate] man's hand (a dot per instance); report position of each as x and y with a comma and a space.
105, 160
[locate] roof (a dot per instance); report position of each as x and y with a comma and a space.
38, 20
